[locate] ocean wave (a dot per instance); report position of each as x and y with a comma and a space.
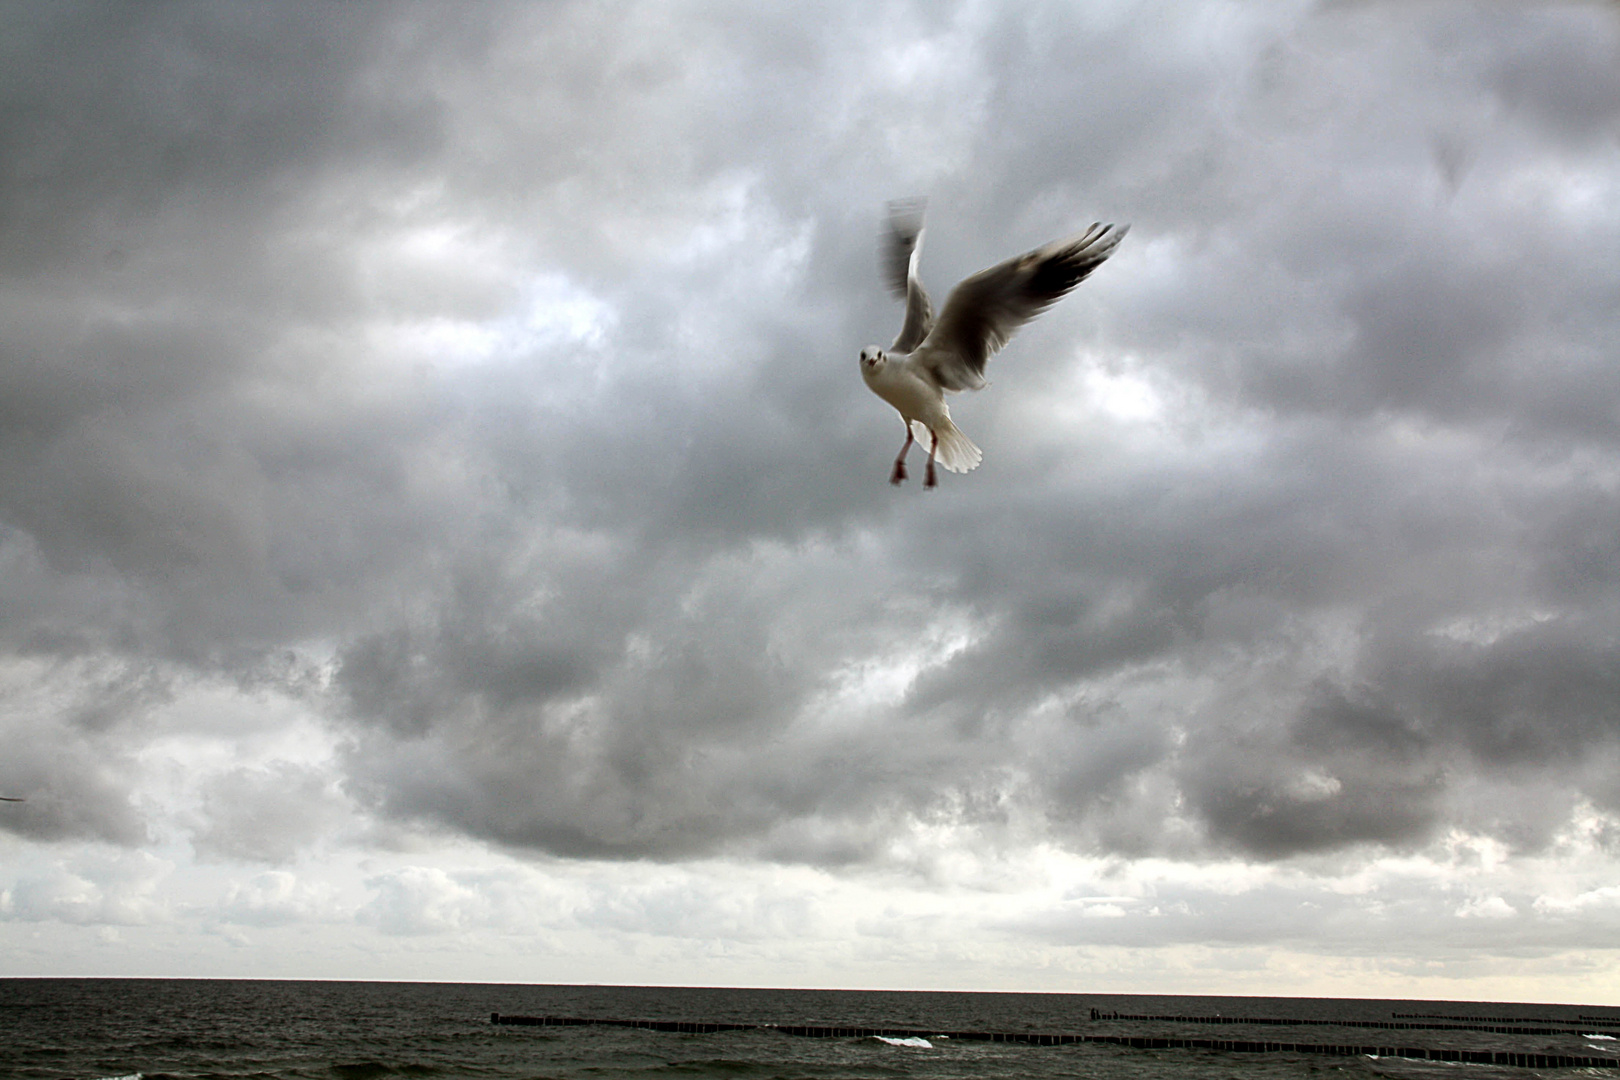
373, 1070
912, 1040
129, 1076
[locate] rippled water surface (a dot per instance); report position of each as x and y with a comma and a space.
87, 1029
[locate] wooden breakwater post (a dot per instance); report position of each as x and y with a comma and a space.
1037, 1038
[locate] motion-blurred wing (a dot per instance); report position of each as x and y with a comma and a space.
901, 249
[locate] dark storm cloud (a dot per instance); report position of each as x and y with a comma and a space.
497, 367
74, 779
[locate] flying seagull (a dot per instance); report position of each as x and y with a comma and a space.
933, 357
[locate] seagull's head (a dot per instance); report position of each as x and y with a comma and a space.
872, 360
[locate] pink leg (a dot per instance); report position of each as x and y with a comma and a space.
899, 472
929, 478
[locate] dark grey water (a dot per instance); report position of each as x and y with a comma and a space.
86, 1029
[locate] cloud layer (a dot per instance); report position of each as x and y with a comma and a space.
422, 425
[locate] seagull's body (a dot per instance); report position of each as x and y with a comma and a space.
931, 358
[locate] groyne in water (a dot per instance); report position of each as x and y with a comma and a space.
1580, 1020
1387, 1025
1138, 1042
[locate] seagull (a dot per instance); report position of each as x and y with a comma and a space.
933, 357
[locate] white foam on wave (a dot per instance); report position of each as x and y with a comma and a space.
1602, 1038
911, 1040
131, 1076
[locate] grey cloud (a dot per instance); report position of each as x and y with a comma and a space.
76, 775
69, 796
1349, 770
420, 900
502, 360
159, 115
1448, 928
1563, 69
95, 889
1539, 694
716, 912
1262, 814
277, 898
266, 815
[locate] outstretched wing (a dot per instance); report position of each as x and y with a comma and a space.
984, 311
901, 248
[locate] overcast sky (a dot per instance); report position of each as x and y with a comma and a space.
444, 533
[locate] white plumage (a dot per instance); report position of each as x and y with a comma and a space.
931, 358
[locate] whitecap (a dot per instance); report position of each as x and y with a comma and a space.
1603, 1038
911, 1040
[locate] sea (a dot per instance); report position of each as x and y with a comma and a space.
190, 1029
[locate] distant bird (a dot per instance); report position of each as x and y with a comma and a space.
932, 358
8, 798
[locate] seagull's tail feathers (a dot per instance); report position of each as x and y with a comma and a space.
955, 451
